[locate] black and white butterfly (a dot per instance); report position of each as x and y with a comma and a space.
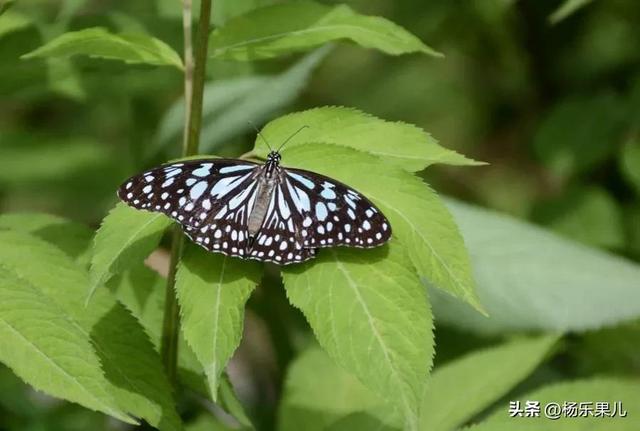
258, 211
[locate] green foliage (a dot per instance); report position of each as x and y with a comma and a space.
125, 238
137, 386
608, 389
12, 21
100, 43
402, 144
229, 106
213, 290
72, 238
299, 26
630, 164
367, 300
433, 243
485, 375
539, 279
318, 393
61, 360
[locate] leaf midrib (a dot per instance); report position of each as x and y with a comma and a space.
351, 283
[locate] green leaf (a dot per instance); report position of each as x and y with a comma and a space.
433, 243
12, 21
369, 311
139, 386
629, 161
229, 105
462, 388
530, 279
97, 42
601, 389
402, 144
360, 422
285, 28
567, 8
317, 393
207, 423
212, 290
72, 238
5, 5
126, 237
589, 206
46, 349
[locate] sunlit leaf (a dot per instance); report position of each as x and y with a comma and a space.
12, 21
97, 42
402, 144
418, 217
138, 386
299, 26
125, 238
72, 238
212, 290
68, 368
531, 279
466, 386
369, 311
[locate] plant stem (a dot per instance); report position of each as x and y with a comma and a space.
202, 46
194, 78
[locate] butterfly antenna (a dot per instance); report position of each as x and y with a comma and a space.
260, 134
294, 134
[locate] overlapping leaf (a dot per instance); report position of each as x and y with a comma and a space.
299, 26
318, 393
138, 386
418, 217
72, 238
47, 350
530, 279
97, 42
212, 290
404, 145
369, 311
125, 238
466, 386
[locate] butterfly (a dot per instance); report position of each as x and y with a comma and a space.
258, 211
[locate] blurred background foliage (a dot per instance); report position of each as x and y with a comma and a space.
552, 104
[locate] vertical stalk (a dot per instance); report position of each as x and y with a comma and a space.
194, 77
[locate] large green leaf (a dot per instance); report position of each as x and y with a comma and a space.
602, 389
418, 217
317, 392
369, 311
130, 363
230, 105
98, 42
402, 144
466, 386
43, 346
72, 238
299, 26
529, 278
125, 238
212, 290
13, 21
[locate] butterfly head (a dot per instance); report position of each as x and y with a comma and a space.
274, 157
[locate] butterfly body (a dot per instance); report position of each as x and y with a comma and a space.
258, 211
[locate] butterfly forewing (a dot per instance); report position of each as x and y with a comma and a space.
209, 198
